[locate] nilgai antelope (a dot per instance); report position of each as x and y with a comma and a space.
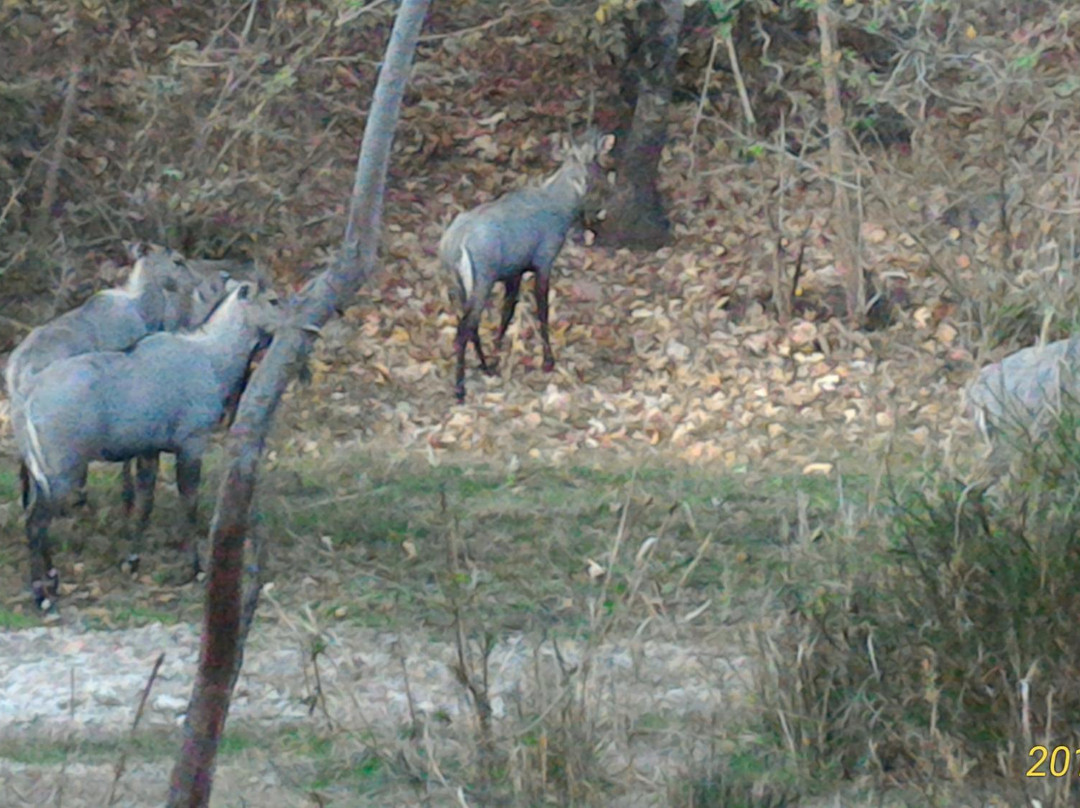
162, 292
166, 393
519, 232
112, 319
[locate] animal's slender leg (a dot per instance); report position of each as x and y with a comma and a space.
486, 367
146, 469
188, 474
469, 331
127, 492
510, 299
44, 579
461, 342
543, 278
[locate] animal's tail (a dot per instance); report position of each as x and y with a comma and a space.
466, 272
9, 378
33, 455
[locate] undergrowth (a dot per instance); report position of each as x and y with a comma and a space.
935, 649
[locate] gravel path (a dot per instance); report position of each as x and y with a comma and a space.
362, 677
111, 669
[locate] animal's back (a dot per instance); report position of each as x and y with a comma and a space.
108, 321
508, 234
1023, 386
115, 405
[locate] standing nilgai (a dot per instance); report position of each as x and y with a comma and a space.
165, 394
159, 294
519, 232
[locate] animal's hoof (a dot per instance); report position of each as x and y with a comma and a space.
491, 368
130, 565
52, 582
549, 365
459, 395
40, 591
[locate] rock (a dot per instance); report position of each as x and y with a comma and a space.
107, 697
166, 703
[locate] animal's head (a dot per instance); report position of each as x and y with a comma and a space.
208, 292
162, 266
248, 307
216, 278
582, 160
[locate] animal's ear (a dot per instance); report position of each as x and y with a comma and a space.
605, 144
243, 292
136, 249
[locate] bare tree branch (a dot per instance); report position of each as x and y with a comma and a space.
192, 776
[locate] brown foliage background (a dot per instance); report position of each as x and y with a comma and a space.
224, 131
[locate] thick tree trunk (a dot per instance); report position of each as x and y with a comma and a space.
221, 648
635, 212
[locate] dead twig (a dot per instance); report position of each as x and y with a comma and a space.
509, 15
701, 107
13, 323
319, 697
740, 85
122, 762
252, 8
63, 130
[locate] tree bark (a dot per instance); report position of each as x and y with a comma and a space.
845, 223
220, 650
635, 213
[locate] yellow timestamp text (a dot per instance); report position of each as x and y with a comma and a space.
1057, 761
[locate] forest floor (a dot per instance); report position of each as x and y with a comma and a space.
622, 528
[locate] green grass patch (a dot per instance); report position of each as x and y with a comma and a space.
132, 614
13, 620
157, 743
10, 487
524, 539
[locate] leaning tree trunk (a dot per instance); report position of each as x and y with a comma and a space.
332, 290
635, 212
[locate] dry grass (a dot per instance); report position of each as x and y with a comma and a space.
875, 613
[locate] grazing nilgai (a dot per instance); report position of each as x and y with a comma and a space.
166, 393
519, 232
